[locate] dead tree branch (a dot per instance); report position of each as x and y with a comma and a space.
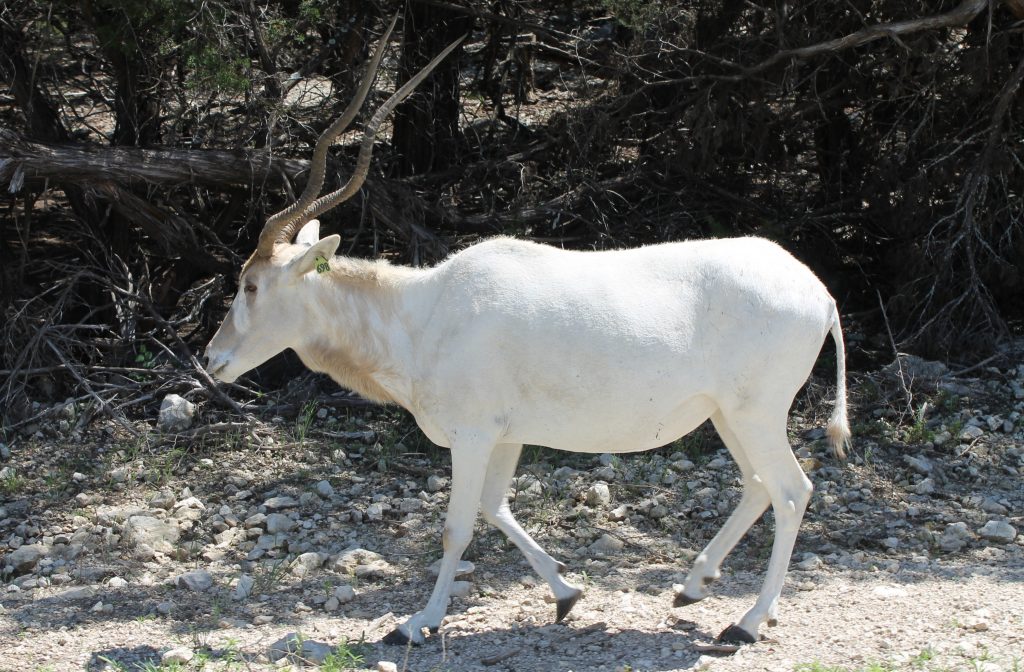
961, 15
22, 159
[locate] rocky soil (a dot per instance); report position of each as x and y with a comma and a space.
202, 544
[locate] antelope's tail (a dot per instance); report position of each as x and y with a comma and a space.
838, 426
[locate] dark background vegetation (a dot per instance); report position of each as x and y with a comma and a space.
143, 142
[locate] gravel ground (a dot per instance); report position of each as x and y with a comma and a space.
204, 550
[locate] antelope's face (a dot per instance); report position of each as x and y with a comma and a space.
274, 308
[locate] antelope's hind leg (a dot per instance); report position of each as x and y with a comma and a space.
772, 461
494, 505
707, 566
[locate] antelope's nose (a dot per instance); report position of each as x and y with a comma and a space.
214, 362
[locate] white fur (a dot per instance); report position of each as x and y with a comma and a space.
309, 234
240, 314
510, 342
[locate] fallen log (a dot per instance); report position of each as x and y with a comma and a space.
22, 159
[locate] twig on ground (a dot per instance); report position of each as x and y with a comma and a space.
975, 367
332, 401
215, 428
116, 417
410, 468
367, 436
504, 655
85, 367
573, 634
212, 386
899, 362
715, 647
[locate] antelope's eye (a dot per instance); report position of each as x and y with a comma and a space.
250, 288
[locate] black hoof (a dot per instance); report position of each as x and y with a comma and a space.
736, 635
682, 599
434, 629
565, 605
396, 638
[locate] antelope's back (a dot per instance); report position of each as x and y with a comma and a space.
647, 291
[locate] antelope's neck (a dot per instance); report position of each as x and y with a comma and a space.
363, 339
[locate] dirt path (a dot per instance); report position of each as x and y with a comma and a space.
115, 552
932, 617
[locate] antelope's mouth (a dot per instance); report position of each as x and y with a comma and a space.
216, 369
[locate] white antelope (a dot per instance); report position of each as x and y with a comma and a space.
510, 342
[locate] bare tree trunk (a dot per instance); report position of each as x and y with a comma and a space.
43, 121
427, 123
711, 27
136, 97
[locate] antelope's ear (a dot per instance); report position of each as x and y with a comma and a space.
317, 256
309, 234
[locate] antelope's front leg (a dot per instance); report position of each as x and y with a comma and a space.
469, 469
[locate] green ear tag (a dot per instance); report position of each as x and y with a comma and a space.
321, 265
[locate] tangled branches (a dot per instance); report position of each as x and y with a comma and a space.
95, 334
878, 139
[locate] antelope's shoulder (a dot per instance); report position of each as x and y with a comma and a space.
502, 248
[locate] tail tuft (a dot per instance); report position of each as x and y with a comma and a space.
838, 431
